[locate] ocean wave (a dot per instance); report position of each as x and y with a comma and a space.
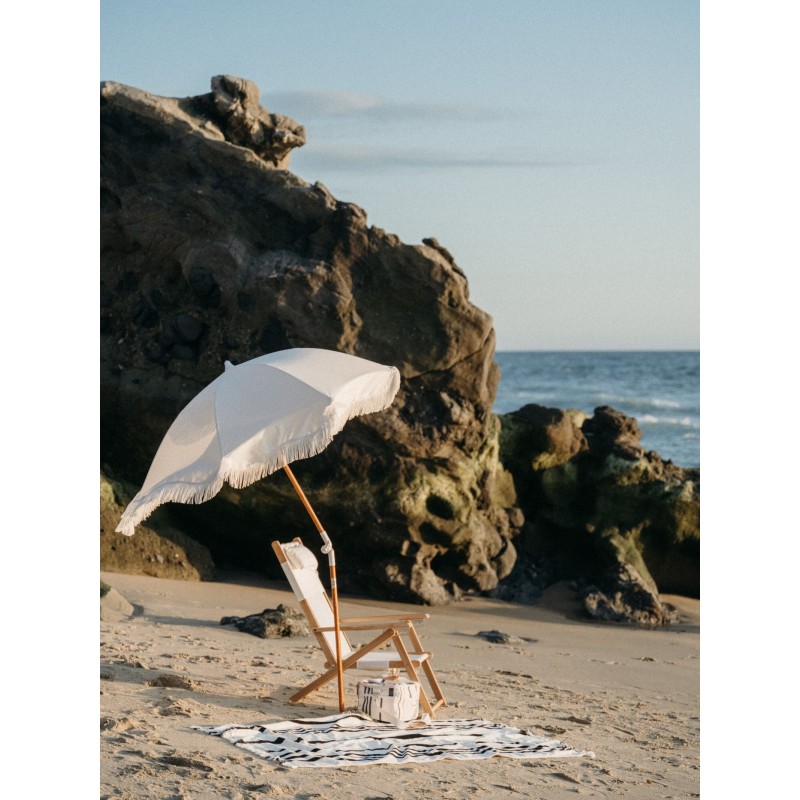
658, 403
635, 405
684, 422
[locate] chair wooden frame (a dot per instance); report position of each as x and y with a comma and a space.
392, 626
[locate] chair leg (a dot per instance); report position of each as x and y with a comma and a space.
412, 673
348, 662
316, 683
408, 666
426, 666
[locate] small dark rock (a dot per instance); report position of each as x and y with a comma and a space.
203, 284
498, 637
144, 315
183, 352
187, 328
271, 623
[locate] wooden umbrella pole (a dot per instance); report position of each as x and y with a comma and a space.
328, 549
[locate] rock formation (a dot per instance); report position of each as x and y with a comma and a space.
243, 121
600, 510
212, 250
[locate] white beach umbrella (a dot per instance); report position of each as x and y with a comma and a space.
256, 418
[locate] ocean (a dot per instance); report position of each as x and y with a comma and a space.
661, 389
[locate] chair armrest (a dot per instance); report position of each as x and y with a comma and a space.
386, 618
365, 627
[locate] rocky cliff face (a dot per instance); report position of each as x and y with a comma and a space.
212, 250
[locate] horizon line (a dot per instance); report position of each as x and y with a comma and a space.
597, 350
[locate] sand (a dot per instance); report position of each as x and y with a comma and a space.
629, 695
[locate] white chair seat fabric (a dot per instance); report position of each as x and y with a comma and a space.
380, 660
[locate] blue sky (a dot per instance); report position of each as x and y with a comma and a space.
552, 147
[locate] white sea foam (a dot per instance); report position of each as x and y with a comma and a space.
686, 422
658, 403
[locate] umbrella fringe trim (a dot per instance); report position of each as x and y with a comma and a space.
297, 450
372, 404
193, 493
140, 508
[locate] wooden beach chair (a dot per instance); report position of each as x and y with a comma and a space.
300, 566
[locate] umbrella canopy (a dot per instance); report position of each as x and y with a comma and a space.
256, 418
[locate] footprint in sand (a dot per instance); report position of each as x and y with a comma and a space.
172, 681
170, 707
183, 761
118, 725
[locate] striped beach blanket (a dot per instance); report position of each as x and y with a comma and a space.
355, 739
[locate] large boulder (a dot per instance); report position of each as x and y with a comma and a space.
212, 250
599, 509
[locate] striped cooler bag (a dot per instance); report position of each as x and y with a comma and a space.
389, 699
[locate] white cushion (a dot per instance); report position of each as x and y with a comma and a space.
299, 556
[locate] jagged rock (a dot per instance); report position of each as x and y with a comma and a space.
271, 623
158, 549
208, 253
627, 597
596, 505
244, 122
612, 432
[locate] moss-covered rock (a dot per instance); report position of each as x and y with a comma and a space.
596, 505
157, 548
